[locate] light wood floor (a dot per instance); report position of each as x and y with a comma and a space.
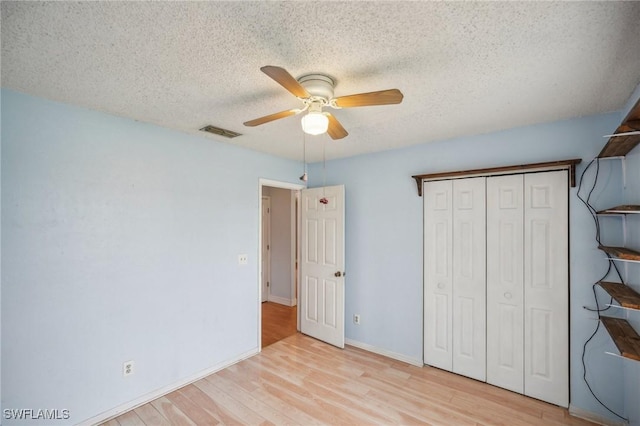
278, 321
301, 381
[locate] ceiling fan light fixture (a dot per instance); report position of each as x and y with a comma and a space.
315, 123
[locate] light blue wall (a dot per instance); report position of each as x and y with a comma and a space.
384, 236
120, 242
632, 271
632, 368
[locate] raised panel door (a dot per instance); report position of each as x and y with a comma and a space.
546, 287
438, 253
469, 278
322, 256
505, 286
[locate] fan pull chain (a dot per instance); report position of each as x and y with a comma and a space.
324, 199
304, 176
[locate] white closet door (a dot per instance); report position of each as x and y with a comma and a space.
546, 283
505, 287
437, 272
469, 278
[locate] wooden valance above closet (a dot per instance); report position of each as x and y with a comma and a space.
504, 170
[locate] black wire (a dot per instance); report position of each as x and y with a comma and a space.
594, 213
587, 205
584, 351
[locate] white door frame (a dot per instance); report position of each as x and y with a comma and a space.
295, 248
262, 182
265, 273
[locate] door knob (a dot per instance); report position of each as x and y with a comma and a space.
340, 274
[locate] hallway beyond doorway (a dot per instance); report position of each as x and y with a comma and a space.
278, 321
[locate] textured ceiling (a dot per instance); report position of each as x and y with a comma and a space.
464, 67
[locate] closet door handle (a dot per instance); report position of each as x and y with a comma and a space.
508, 296
441, 286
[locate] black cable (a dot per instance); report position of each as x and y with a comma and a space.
587, 205
594, 213
584, 366
592, 210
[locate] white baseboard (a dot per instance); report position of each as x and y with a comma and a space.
115, 412
280, 300
384, 352
593, 417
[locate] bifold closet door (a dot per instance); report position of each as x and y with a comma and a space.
469, 278
505, 282
438, 291
497, 281
455, 277
546, 287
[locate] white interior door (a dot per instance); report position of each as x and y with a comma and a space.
505, 287
546, 287
322, 265
438, 289
469, 278
266, 247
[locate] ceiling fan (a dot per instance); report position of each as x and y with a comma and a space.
316, 92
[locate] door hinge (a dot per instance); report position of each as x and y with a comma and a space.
268, 283
268, 246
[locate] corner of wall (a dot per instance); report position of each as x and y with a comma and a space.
635, 95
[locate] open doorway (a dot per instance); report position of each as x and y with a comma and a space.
279, 252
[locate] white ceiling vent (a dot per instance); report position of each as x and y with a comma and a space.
219, 131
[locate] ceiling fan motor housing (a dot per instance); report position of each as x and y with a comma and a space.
319, 86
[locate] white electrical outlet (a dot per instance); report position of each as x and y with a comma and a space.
243, 259
127, 368
356, 319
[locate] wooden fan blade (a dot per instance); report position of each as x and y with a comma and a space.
285, 79
271, 117
383, 97
335, 129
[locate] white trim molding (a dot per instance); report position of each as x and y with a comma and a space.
280, 300
593, 417
115, 412
384, 352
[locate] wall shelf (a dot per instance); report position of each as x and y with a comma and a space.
619, 146
624, 209
624, 336
625, 295
622, 253
503, 170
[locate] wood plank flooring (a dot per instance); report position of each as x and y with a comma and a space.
278, 321
301, 381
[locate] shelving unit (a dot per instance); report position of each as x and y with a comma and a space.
621, 253
626, 296
621, 210
624, 336
625, 138
619, 146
